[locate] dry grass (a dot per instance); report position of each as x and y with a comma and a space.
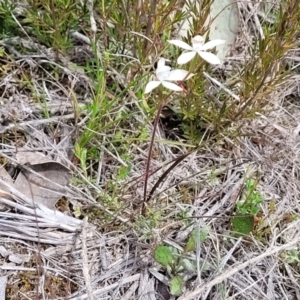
99, 245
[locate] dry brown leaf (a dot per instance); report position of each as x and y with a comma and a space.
31, 158
46, 185
19, 258
4, 192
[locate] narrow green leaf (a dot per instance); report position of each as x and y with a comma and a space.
197, 235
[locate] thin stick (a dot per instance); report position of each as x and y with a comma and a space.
85, 262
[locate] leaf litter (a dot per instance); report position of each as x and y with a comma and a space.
112, 264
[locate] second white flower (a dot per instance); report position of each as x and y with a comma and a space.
164, 74
198, 46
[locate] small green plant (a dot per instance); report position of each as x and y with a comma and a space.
242, 225
51, 21
246, 208
292, 257
249, 204
179, 266
81, 155
7, 23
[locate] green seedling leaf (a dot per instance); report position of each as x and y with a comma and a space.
176, 285
83, 158
191, 265
250, 203
124, 171
198, 235
292, 257
163, 255
242, 225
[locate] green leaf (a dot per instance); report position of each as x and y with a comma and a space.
191, 265
242, 225
124, 171
197, 235
163, 255
292, 257
176, 285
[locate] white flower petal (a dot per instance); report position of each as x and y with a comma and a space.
178, 75
197, 41
186, 57
181, 44
209, 57
212, 44
162, 73
151, 85
172, 86
161, 63
163, 69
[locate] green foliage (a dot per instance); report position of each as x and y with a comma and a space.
163, 255
242, 225
124, 171
176, 285
256, 80
292, 257
177, 264
81, 154
8, 26
51, 21
251, 199
196, 236
130, 37
246, 208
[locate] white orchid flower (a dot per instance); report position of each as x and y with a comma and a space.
198, 46
164, 74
